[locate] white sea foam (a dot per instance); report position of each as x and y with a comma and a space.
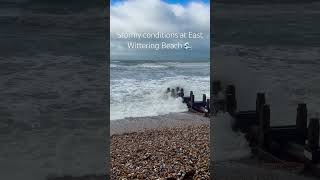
150, 65
232, 70
156, 65
284, 77
113, 65
227, 144
138, 87
190, 64
136, 98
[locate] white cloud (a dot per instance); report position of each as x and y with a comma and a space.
158, 16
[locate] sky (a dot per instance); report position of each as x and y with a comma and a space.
173, 1
185, 1
163, 16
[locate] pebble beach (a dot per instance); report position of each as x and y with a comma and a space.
169, 147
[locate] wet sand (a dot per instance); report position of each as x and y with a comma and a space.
135, 124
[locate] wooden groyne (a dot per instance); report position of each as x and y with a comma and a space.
293, 143
193, 106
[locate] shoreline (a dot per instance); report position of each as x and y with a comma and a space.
138, 124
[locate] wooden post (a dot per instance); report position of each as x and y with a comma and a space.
188, 100
208, 105
260, 102
264, 126
173, 93
181, 92
191, 93
231, 102
312, 146
302, 121
313, 133
216, 87
204, 99
191, 100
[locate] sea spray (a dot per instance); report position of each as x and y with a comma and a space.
227, 144
138, 88
232, 70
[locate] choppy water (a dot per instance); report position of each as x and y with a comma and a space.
138, 87
53, 107
271, 48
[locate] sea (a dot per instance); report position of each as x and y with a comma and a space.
269, 48
138, 86
53, 108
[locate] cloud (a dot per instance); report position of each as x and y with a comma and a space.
139, 16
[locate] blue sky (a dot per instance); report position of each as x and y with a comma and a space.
159, 16
184, 1
172, 1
